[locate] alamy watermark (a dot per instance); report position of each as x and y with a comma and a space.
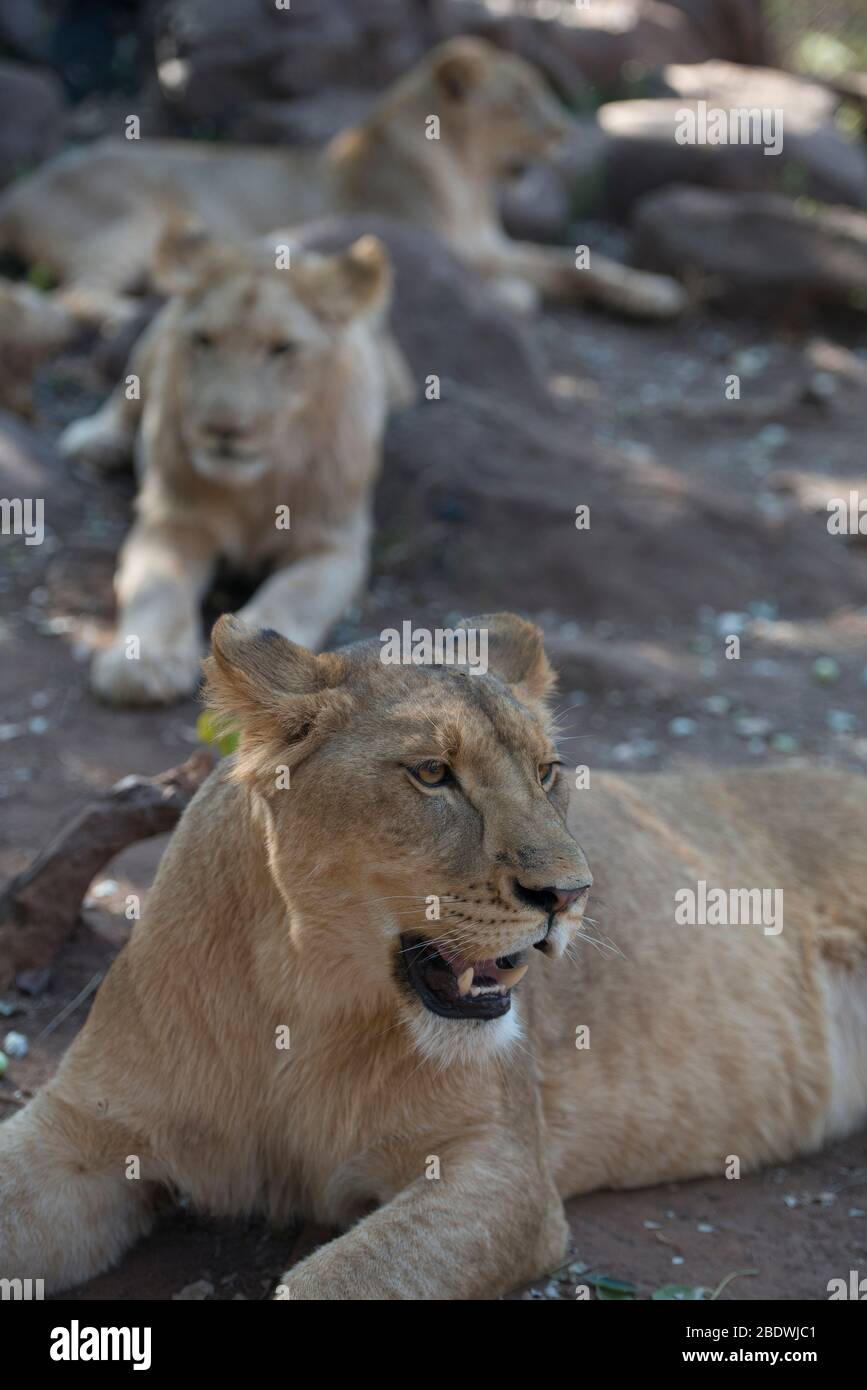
716, 125
730, 907
23, 516
461, 646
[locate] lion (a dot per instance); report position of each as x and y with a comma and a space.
433, 152
257, 400
365, 988
33, 327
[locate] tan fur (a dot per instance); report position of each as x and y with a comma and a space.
278, 908
33, 326
260, 389
95, 216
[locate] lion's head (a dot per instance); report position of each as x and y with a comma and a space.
256, 329
415, 820
495, 102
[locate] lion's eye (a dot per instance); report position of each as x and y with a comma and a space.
283, 348
201, 339
547, 772
431, 774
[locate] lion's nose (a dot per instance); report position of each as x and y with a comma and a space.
225, 431
552, 899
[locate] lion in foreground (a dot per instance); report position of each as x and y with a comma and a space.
293, 1029
93, 217
257, 401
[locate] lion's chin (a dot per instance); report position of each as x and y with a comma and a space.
231, 472
447, 1042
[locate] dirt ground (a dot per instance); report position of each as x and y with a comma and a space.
645, 689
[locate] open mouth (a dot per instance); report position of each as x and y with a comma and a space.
457, 988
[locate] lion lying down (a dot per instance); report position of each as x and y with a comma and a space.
93, 217
292, 1030
257, 401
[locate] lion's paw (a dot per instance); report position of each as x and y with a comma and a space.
95, 440
156, 678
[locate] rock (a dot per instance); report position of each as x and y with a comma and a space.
311, 120
652, 142
756, 243
31, 109
227, 61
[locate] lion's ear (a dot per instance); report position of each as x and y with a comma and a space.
282, 699
516, 655
180, 251
458, 70
358, 280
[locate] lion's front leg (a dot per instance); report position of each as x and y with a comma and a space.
303, 599
558, 274
155, 656
491, 1220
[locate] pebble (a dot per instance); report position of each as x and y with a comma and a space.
682, 727
104, 888
728, 623
15, 1045
38, 724
705, 1228
773, 436
840, 721
753, 726
717, 704
785, 743
826, 670
677, 1259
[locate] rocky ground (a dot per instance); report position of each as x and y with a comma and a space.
708, 521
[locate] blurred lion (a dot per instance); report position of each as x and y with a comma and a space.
433, 152
256, 402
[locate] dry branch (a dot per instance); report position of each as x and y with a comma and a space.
40, 906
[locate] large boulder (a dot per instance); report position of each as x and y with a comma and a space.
679, 139
218, 58
31, 108
757, 244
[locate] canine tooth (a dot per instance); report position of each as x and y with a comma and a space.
509, 978
474, 991
465, 980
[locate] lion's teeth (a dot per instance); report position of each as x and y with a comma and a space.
509, 978
465, 981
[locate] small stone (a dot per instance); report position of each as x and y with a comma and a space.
728, 624
840, 721
682, 727
826, 670
15, 1045
753, 726
653, 1225
856, 1211
9, 731
773, 436
194, 1293
705, 1228
677, 1259
785, 743
34, 981
38, 724
717, 704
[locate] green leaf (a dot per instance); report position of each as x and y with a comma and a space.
211, 731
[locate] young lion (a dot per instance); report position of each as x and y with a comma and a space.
263, 399
94, 216
330, 1006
